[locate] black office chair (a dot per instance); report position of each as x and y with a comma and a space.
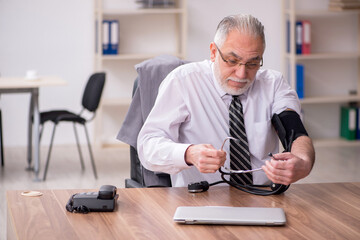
90, 102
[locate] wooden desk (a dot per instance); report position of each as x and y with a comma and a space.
313, 211
21, 85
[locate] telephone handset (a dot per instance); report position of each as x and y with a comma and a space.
107, 192
102, 201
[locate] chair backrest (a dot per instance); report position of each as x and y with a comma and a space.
136, 173
93, 90
151, 72
140, 176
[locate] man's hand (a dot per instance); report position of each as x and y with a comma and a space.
205, 157
289, 167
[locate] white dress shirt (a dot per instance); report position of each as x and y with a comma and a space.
191, 108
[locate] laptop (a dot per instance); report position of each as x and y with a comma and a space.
230, 215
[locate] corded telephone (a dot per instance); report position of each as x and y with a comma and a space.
102, 201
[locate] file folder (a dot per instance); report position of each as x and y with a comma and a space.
288, 36
358, 123
114, 37
110, 39
106, 37
298, 37
348, 122
300, 80
306, 37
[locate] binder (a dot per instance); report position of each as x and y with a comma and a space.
300, 80
288, 36
106, 37
298, 37
114, 37
306, 37
110, 39
96, 35
358, 123
348, 122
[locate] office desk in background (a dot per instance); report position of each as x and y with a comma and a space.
22, 85
313, 211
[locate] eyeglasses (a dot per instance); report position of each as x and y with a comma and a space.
236, 62
236, 171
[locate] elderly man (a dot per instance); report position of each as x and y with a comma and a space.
202, 103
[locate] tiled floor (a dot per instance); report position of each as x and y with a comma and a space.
335, 164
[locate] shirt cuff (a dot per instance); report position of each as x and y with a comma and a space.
179, 156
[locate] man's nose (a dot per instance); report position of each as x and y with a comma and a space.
240, 71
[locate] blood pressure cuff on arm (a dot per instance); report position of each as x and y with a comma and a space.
288, 126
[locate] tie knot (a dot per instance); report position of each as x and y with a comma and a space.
236, 101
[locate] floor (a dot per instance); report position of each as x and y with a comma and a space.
335, 164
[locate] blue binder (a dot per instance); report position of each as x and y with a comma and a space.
110, 41
106, 37
114, 37
300, 80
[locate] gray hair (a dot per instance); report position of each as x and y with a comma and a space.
244, 23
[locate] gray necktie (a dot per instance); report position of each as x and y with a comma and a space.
239, 151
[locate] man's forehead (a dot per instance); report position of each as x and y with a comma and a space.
243, 45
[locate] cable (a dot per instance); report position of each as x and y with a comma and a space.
203, 186
80, 209
215, 183
255, 189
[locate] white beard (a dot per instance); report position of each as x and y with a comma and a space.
224, 86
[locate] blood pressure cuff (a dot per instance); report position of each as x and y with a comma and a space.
288, 127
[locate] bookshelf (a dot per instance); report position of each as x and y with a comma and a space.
332, 69
143, 33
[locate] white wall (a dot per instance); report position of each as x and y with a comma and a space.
56, 38
203, 23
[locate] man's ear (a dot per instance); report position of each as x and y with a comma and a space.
213, 51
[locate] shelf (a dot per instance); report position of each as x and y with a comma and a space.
331, 70
330, 99
121, 12
145, 33
140, 56
320, 56
320, 12
335, 142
